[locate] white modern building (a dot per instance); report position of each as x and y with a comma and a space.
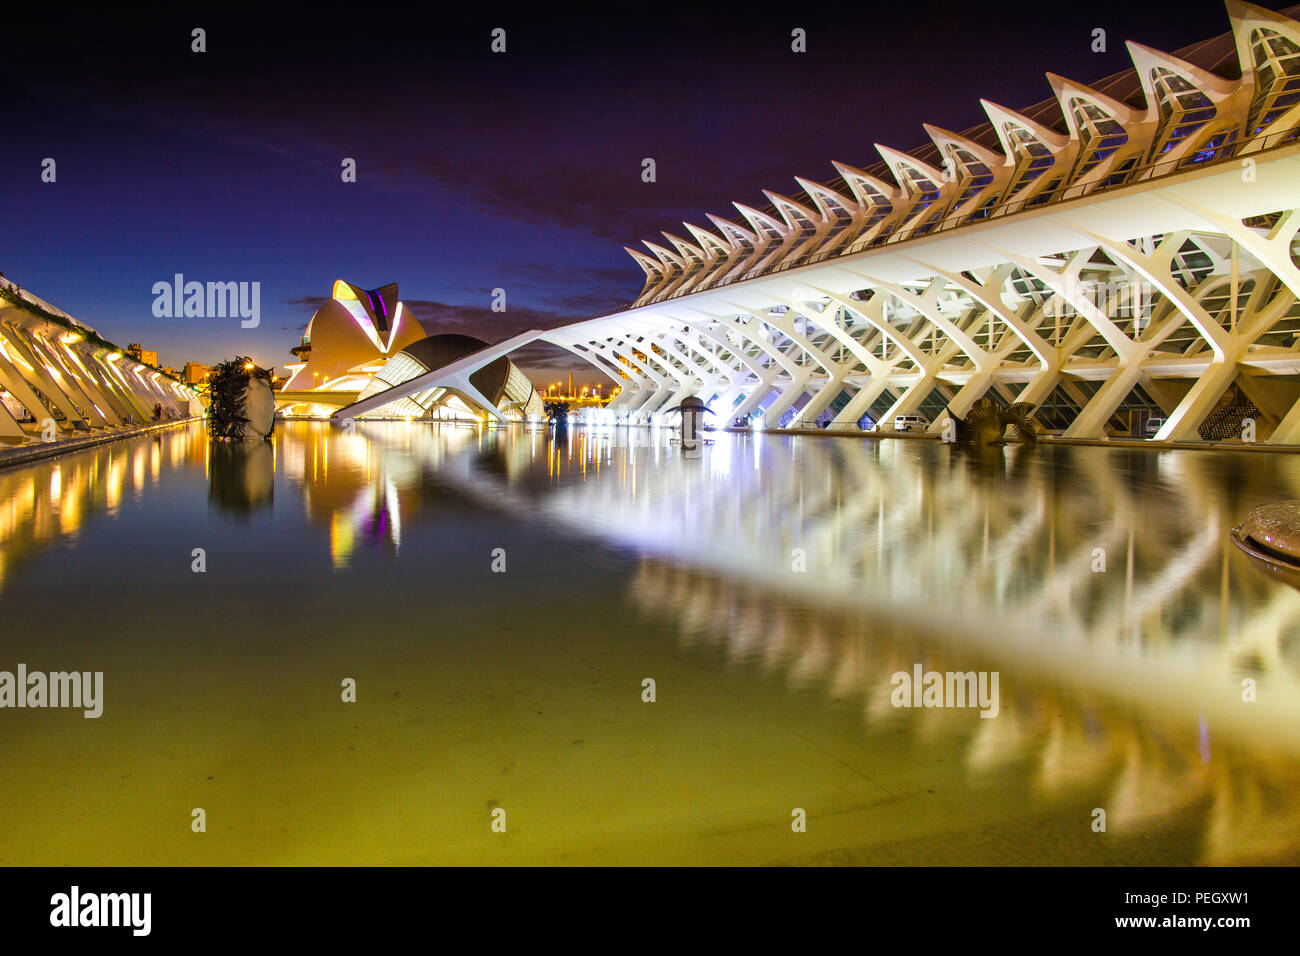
364, 342
59, 378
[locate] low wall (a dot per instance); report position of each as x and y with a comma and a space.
24, 454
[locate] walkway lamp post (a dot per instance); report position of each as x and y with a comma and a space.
692, 410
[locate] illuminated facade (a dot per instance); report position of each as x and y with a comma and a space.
1116, 254
347, 341
58, 378
195, 373
361, 343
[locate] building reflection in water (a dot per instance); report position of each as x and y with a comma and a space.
359, 496
53, 499
1148, 767
1100, 583
241, 476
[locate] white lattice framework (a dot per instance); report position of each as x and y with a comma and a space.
1139, 250
58, 382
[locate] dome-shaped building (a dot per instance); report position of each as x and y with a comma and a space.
361, 342
349, 338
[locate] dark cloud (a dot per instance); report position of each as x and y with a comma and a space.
552, 361
312, 302
572, 291
481, 320
566, 293
448, 316
555, 132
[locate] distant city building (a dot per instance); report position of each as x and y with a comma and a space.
585, 396
195, 373
142, 355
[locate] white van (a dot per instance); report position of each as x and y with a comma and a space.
911, 423
1153, 425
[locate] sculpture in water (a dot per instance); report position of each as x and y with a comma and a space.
987, 422
242, 405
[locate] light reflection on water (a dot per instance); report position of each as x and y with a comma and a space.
1120, 689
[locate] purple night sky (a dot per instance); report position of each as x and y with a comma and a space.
475, 170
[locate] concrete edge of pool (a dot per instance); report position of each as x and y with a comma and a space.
26, 454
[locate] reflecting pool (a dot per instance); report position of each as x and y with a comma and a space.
502, 598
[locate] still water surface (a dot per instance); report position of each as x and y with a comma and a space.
770, 588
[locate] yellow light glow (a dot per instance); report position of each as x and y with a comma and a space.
13, 358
